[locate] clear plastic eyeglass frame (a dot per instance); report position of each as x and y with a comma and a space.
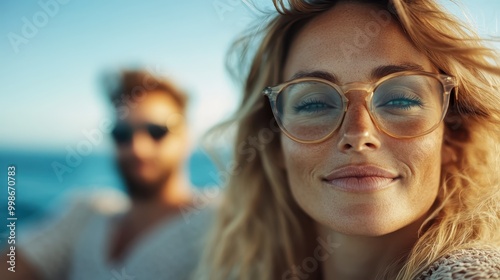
448, 84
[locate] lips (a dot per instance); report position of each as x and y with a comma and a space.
366, 178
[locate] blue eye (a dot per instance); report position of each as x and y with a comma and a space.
311, 106
403, 102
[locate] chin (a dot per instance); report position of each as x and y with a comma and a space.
140, 187
367, 221
143, 192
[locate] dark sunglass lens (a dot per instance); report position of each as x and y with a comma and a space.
122, 133
157, 131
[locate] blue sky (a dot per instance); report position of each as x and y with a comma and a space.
50, 89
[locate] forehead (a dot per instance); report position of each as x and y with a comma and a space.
350, 40
153, 106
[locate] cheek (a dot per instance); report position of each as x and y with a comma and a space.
303, 163
173, 149
420, 158
419, 161
300, 160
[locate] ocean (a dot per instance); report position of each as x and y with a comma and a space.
38, 185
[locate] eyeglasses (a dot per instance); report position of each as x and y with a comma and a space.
123, 132
403, 105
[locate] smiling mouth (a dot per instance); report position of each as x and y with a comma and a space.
361, 184
360, 179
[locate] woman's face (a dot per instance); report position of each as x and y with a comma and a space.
360, 181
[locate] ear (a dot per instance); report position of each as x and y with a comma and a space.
448, 154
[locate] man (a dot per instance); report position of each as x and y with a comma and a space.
108, 236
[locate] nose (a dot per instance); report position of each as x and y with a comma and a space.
142, 145
358, 133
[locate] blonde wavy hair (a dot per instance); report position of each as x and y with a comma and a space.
260, 232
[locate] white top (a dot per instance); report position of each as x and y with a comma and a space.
76, 245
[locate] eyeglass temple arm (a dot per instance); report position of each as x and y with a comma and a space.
451, 85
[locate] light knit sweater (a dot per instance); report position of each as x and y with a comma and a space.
473, 264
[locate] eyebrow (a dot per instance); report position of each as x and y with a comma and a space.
316, 74
376, 73
385, 70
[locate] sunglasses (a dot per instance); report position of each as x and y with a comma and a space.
123, 132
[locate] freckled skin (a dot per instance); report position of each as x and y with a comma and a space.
417, 160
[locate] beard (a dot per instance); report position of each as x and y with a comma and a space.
140, 188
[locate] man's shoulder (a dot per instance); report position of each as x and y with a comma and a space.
472, 263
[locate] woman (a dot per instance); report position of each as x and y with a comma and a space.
385, 163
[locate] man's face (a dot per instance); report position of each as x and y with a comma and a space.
150, 155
